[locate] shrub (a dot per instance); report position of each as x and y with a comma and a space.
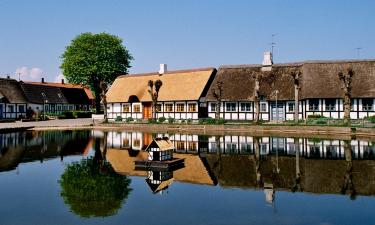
315, 116
152, 120
189, 121
129, 119
68, 115
82, 114
162, 119
118, 119
183, 121
371, 119
171, 120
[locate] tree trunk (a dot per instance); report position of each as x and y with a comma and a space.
256, 108
256, 100
97, 93
296, 103
217, 114
257, 161
347, 108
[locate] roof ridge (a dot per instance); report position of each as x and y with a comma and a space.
168, 72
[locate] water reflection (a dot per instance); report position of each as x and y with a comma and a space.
269, 163
22, 147
91, 187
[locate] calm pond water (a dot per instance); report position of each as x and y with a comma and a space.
88, 177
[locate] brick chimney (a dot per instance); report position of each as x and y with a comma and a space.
42, 79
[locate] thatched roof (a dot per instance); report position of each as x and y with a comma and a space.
164, 144
319, 80
11, 91
177, 85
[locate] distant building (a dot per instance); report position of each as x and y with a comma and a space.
13, 102
19, 99
181, 95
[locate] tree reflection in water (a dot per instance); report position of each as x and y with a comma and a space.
348, 186
92, 188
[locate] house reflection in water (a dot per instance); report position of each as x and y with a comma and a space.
270, 163
22, 147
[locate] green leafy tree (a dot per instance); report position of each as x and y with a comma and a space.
94, 58
92, 188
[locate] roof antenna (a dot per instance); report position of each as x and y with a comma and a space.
358, 51
272, 43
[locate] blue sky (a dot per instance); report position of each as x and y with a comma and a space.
184, 34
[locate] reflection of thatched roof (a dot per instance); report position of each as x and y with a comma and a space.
10, 157
238, 82
193, 172
318, 176
177, 85
156, 188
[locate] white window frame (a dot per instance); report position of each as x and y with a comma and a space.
231, 110
126, 104
137, 104
188, 107
215, 106
294, 106
165, 106
250, 109
181, 103
260, 107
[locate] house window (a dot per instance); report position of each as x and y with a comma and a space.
352, 105
21, 108
158, 108
180, 107
10, 108
137, 108
180, 145
192, 107
330, 104
291, 107
367, 104
213, 107
313, 104
263, 107
126, 108
169, 107
245, 106
137, 142
192, 146
231, 107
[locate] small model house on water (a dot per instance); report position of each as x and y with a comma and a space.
160, 155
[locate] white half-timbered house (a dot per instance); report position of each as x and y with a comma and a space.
181, 95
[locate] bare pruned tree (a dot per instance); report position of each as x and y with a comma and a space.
154, 88
218, 95
346, 86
